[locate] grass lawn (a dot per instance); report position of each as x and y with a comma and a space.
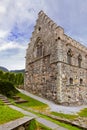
83, 113
66, 116
32, 103
7, 114
37, 105
69, 127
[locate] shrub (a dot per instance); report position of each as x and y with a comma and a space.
32, 125
7, 88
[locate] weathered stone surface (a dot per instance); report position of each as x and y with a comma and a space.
18, 124
53, 69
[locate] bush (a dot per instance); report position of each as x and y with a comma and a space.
7, 88
32, 125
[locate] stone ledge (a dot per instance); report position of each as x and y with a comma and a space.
16, 123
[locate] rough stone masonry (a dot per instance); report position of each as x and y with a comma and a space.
56, 64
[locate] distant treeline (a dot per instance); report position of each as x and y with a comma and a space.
15, 78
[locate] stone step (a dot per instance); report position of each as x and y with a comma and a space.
21, 101
5, 100
8, 103
2, 97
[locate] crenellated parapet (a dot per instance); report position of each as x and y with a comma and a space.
74, 43
50, 23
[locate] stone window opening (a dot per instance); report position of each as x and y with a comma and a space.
69, 56
39, 50
39, 28
71, 81
81, 81
79, 60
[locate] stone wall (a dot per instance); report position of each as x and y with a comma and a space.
41, 78
75, 93
48, 73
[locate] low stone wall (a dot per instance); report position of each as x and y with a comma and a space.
19, 124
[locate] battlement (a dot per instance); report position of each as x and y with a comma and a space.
59, 31
74, 43
50, 22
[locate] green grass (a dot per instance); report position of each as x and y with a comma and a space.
36, 104
69, 127
32, 103
66, 116
83, 113
42, 127
34, 125
7, 114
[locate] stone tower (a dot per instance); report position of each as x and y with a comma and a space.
56, 65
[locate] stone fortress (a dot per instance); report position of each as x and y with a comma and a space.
56, 64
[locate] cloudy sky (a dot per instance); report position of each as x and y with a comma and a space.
17, 20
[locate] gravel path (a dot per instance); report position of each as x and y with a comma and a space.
41, 120
55, 107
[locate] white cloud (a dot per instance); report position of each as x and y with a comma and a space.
3, 33
2, 9
11, 45
13, 62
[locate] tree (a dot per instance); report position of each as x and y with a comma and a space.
1, 74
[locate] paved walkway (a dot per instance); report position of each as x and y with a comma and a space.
15, 123
41, 120
55, 107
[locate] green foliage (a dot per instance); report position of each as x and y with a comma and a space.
62, 115
7, 114
19, 78
42, 127
15, 78
7, 88
70, 127
32, 125
1, 103
1, 74
83, 113
31, 102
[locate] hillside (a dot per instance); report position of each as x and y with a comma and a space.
18, 71
15, 71
3, 69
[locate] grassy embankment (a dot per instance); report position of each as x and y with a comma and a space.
32, 103
41, 107
7, 114
34, 125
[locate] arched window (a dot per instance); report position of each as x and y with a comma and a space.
79, 60
69, 56
81, 81
38, 47
39, 50
71, 81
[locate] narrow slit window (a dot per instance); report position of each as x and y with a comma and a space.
71, 80
79, 60
81, 81
69, 56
